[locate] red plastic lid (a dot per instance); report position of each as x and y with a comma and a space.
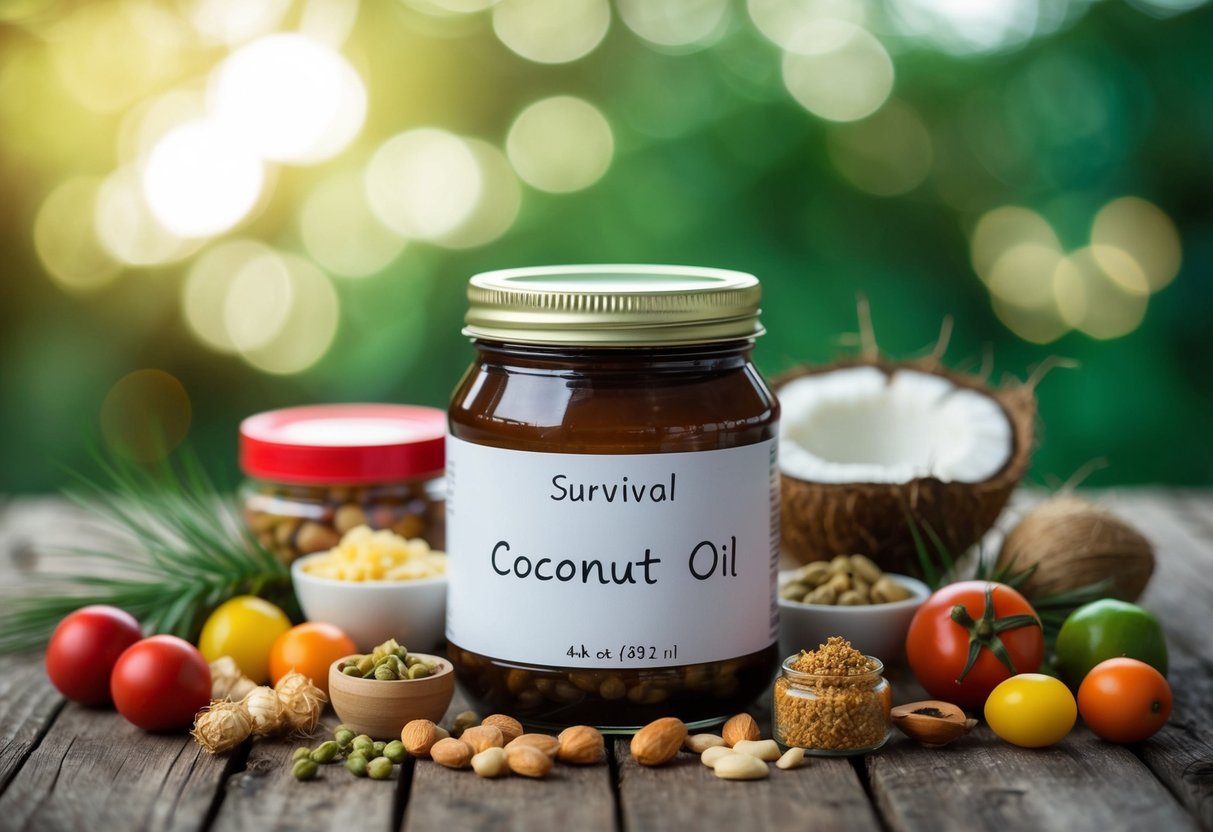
343, 444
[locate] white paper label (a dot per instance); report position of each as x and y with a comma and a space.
598, 560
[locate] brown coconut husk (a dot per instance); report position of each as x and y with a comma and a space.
822, 520
1073, 543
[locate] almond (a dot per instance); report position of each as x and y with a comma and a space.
699, 743
580, 745
480, 737
659, 741
451, 753
765, 750
490, 763
741, 767
792, 758
738, 728
510, 728
712, 755
420, 735
546, 743
528, 761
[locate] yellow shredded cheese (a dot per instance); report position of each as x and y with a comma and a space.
366, 555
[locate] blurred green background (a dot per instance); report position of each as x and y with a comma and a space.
216, 207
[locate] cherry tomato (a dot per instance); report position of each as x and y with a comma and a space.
1124, 700
83, 649
310, 648
160, 683
244, 628
1031, 710
955, 638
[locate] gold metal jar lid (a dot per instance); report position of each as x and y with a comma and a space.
613, 305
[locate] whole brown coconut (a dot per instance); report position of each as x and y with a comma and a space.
1073, 543
821, 520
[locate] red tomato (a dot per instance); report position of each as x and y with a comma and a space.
954, 641
83, 649
1124, 700
160, 683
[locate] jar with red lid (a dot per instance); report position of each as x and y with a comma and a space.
316, 472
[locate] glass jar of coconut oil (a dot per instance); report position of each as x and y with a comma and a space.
613, 506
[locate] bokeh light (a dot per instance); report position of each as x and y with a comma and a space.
199, 181
675, 24
454, 6
1090, 301
340, 231
330, 22
560, 144
1141, 230
65, 236
308, 327
789, 23
109, 54
964, 26
148, 121
423, 183
838, 71
128, 230
145, 415
1023, 275
1167, 8
232, 22
204, 295
551, 31
499, 203
259, 300
289, 98
886, 154
1002, 229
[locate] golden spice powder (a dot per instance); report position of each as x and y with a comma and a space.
832, 700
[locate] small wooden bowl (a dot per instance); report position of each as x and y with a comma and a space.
381, 709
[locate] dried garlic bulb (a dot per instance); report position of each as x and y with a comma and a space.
222, 726
302, 702
265, 710
227, 682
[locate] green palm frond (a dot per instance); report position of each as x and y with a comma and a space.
186, 553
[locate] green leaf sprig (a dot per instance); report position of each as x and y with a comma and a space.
190, 554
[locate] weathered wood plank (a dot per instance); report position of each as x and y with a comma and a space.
28, 705
684, 794
1181, 754
571, 797
265, 796
93, 770
980, 782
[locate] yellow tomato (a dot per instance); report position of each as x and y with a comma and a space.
1031, 710
244, 628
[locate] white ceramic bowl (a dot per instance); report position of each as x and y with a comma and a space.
370, 612
875, 630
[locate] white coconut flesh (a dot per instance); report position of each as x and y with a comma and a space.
859, 425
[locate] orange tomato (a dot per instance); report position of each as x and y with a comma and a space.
1124, 700
309, 648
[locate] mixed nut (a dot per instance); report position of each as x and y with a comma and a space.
845, 581
295, 520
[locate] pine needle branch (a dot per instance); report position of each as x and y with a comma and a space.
190, 554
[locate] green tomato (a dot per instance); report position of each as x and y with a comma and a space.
1031, 710
1108, 629
244, 628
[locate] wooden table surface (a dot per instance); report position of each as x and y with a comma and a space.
63, 767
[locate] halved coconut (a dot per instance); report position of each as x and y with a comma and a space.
869, 447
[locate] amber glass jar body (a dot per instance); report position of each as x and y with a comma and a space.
616, 401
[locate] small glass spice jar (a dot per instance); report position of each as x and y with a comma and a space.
316, 472
832, 715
